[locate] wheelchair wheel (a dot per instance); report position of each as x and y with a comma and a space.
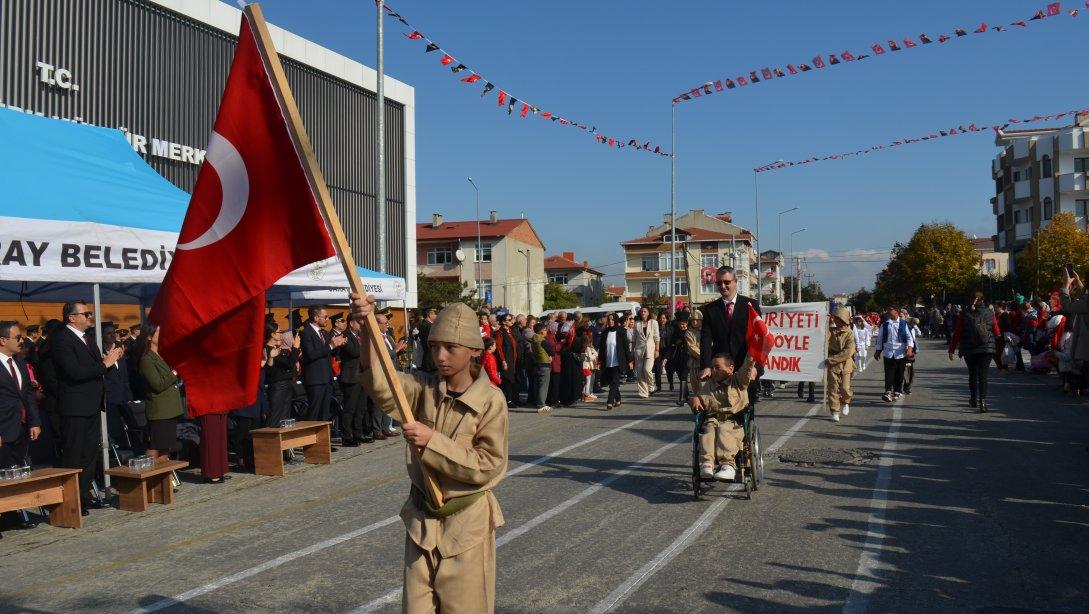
697, 486
755, 458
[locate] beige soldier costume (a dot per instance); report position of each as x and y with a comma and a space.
450, 552
723, 435
692, 345
840, 364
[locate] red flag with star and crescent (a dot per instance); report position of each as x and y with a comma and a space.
758, 338
252, 219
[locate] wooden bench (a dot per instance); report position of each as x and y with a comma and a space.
55, 489
136, 488
270, 443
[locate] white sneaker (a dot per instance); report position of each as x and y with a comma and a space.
707, 471
835, 416
896, 395
544, 410
726, 473
846, 409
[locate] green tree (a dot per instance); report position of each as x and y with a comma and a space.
892, 282
653, 300
555, 297
812, 293
1060, 243
939, 257
438, 293
771, 300
862, 301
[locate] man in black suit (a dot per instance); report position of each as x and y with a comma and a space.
725, 325
425, 361
78, 368
352, 419
19, 421
118, 388
317, 369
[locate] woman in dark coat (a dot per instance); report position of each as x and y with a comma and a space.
279, 373
976, 332
571, 377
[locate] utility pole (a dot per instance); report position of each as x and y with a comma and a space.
380, 179
673, 214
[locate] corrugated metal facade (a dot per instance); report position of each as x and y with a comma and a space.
160, 75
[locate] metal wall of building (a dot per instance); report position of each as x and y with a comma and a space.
159, 75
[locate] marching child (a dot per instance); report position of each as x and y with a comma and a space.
840, 363
722, 399
459, 440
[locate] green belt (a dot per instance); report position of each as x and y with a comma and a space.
451, 507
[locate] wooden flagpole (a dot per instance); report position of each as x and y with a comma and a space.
325, 204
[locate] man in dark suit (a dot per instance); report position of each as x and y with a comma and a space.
78, 368
353, 418
19, 421
317, 369
725, 325
118, 388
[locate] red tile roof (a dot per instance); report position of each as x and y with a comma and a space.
695, 234
984, 244
615, 290
467, 229
559, 263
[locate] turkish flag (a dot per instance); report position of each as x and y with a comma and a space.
758, 338
252, 219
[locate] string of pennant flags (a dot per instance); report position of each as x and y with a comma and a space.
947, 132
876, 50
513, 104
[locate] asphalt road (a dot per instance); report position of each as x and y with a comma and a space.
921, 505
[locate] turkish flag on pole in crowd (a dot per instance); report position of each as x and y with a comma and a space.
252, 219
758, 338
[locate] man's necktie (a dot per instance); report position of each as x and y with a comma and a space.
729, 314
15, 378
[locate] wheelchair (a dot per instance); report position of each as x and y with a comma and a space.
750, 460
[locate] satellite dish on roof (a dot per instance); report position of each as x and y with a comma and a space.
459, 255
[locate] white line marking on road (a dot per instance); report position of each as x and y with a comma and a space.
333, 541
663, 558
866, 579
395, 595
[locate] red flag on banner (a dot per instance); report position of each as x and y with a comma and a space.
878, 49
502, 97
1054, 8
473, 78
818, 61
758, 338
446, 59
414, 36
981, 29
252, 219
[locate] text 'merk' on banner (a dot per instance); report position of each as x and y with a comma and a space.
799, 331
252, 219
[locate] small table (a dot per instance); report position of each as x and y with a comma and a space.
269, 444
135, 488
55, 489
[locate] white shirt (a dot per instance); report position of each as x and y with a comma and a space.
79, 333
610, 349
893, 347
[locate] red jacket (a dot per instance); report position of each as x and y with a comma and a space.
489, 364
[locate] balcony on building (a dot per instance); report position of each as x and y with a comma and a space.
1001, 240
1019, 148
1022, 231
1072, 182
1022, 189
1071, 141
998, 204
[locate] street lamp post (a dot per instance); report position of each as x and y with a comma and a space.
756, 203
794, 266
673, 213
476, 252
380, 171
779, 229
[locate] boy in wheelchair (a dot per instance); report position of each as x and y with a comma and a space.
722, 400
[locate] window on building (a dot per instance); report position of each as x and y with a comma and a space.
663, 261
650, 287
1081, 208
989, 265
1081, 165
1019, 216
484, 289
668, 238
681, 285
1049, 208
1045, 167
485, 252
440, 255
1001, 222
557, 278
649, 263
709, 260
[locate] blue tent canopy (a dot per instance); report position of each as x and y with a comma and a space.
79, 205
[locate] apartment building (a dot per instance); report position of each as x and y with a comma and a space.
1038, 173
577, 277
992, 263
510, 263
704, 242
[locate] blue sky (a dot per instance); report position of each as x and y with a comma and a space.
617, 65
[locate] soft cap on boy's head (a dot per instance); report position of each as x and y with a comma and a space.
457, 323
